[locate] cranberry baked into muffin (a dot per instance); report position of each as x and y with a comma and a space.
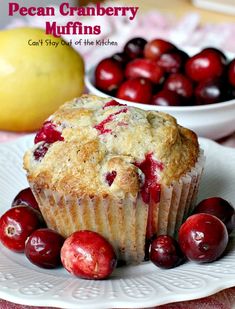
123, 172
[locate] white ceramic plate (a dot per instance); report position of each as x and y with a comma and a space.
129, 287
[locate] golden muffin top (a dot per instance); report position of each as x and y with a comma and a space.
95, 145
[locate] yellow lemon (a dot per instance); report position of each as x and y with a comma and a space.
36, 77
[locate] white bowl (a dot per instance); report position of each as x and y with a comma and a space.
212, 121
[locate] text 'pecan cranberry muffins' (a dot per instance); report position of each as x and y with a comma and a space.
121, 171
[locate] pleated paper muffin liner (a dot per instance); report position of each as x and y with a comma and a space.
123, 222
178, 201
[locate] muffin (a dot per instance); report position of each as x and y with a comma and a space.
123, 172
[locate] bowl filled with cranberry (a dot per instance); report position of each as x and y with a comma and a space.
195, 86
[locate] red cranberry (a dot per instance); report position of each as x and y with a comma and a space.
25, 197
180, 84
205, 65
144, 68
41, 151
209, 92
165, 252
231, 73
101, 126
110, 177
88, 255
217, 51
16, 224
108, 75
135, 90
134, 48
150, 188
203, 238
155, 48
112, 103
43, 248
171, 62
48, 134
220, 208
166, 97
121, 58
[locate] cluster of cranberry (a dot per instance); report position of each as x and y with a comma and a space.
202, 238
158, 73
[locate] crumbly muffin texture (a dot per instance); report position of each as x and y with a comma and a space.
110, 149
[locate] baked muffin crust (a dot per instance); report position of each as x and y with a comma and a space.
104, 145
